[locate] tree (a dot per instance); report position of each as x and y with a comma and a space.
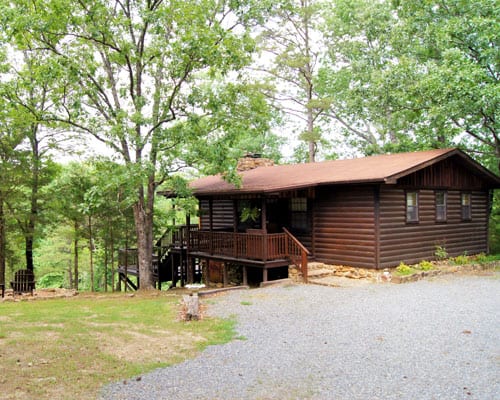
27, 91
10, 162
292, 44
453, 47
417, 74
352, 77
131, 68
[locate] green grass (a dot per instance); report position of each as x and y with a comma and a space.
69, 348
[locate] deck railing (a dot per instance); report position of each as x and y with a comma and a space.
177, 237
297, 253
260, 247
251, 246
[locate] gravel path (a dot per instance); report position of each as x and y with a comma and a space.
432, 339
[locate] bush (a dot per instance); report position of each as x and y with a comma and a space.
404, 269
441, 253
52, 280
461, 260
425, 265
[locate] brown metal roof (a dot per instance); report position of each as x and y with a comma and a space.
385, 168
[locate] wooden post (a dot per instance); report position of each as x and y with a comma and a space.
245, 276
225, 277
173, 270
189, 261
263, 215
205, 272
304, 266
264, 275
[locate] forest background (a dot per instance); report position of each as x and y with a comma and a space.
173, 89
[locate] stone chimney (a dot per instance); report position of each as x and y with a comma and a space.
252, 161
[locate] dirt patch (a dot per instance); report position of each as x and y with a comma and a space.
40, 294
154, 346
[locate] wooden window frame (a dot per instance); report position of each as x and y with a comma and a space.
299, 207
466, 209
415, 219
441, 210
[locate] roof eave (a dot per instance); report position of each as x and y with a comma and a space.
232, 192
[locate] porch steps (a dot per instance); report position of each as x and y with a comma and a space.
319, 273
337, 276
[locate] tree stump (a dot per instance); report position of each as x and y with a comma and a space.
192, 305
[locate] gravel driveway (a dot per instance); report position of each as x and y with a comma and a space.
432, 339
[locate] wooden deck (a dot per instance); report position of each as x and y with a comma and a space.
177, 253
256, 249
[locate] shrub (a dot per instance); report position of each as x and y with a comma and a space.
425, 265
461, 260
441, 253
52, 280
404, 269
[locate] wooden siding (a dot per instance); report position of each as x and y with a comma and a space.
447, 174
223, 214
344, 221
411, 243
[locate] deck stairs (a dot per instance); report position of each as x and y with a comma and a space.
169, 261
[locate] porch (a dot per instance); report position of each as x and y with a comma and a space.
255, 248
181, 253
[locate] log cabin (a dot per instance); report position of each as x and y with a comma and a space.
371, 212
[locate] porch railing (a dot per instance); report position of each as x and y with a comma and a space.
297, 253
178, 236
251, 246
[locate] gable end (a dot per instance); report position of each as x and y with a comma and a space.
447, 174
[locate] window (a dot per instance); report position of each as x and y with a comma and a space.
298, 209
465, 201
441, 198
411, 206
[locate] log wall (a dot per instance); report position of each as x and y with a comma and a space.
223, 214
411, 243
344, 222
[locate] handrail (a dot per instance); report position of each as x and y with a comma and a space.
303, 253
296, 241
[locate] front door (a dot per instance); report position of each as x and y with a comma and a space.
277, 215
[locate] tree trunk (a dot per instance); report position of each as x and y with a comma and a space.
309, 84
75, 259
143, 215
2, 241
112, 250
192, 307
91, 256
35, 176
29, 252
106, 267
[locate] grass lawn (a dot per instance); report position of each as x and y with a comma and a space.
69, 348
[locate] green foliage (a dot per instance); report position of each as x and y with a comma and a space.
249, 214
462, 259
494, 227
482, 258
51, 280
440, 253
425, 265
414, 75
162, 93
403, 269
